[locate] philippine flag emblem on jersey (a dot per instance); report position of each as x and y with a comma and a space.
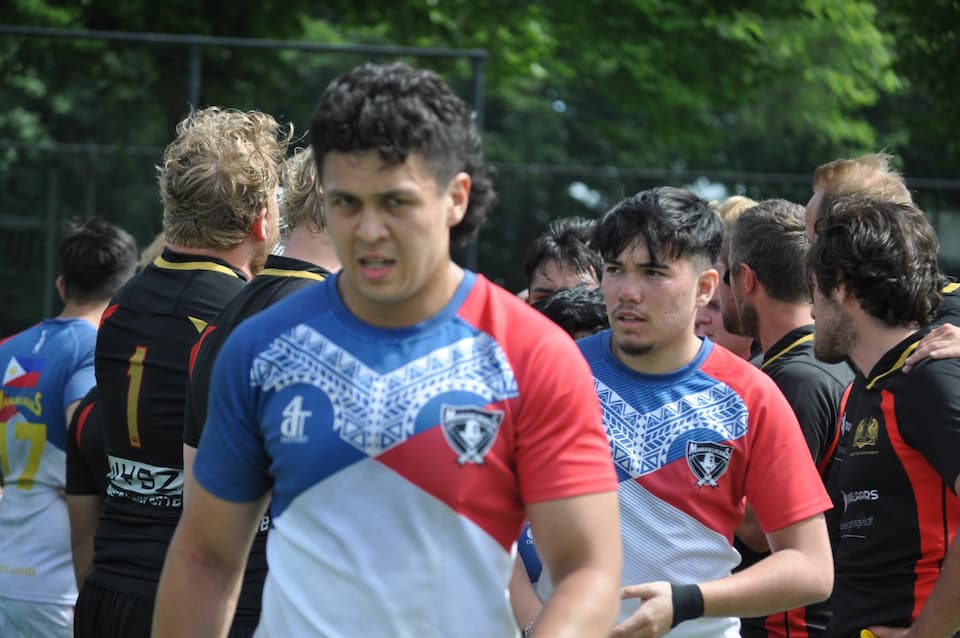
22, 372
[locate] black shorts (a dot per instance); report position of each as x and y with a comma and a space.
104, 613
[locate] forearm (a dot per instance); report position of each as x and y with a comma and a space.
585, 603
84, 512
523, 599
196, 596
786, 579
82, 559
941, 614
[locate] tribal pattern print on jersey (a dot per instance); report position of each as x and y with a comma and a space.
399, 460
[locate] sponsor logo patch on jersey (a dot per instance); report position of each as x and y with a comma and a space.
708, 461
860, 495
294, 418
22, 372
470, 431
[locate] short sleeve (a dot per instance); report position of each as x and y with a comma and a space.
198, 387
931, 415
82, 378
561, 447
231, 462
81, 480
782, 483
815, 400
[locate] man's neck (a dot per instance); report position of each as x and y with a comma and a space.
663, 360
239, 256
90, 312
874, 340
313, 247
777, 318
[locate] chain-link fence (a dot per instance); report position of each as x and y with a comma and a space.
87, 113
93, 165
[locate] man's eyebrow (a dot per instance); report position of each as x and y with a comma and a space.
654, 264
645, 264
404, 192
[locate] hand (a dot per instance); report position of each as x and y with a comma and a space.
943, 342
884, 632
655, 615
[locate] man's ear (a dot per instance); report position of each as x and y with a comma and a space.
61, 287
842, 294
459, 193
259, 228
747, 279
706, 286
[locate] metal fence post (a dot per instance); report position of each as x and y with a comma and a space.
196, 76
49, 257
478, 65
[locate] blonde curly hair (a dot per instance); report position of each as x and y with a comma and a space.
302, 192
867, 176
731, 208
221, 169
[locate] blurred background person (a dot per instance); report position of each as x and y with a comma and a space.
47, 370
561, 258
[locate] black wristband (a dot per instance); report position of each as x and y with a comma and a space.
687, 603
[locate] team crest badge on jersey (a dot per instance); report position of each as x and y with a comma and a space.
470, 431
708, 461
868, 430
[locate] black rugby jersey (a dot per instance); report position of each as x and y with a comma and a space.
86, 450
948, 311
814, 390
281, 277
893, 478
142, 356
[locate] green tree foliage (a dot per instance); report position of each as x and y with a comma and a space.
738, 85
926, 113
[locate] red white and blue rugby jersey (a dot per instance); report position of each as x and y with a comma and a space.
400, 459
689, 447
45, 369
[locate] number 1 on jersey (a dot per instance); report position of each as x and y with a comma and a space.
135, 372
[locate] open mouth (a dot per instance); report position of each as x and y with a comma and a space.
375, 267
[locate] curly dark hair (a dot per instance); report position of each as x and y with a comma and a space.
885, 254
566, 241
579, 309
398, 111
673, 223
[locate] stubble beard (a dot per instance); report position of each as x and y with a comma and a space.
749, 321
833, 344
635, 351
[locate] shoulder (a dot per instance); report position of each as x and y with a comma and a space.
75, 337
534, 345
256, 332
806, 374
931, 383
510, 320
949, 309
755, 387
723, 365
